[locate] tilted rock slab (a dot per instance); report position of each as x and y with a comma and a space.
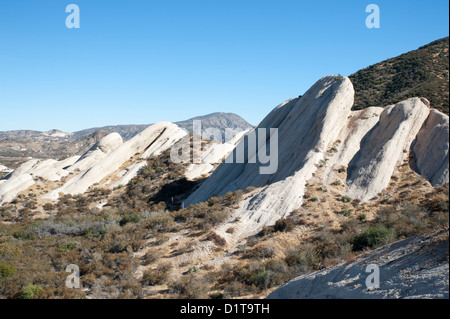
213, 155
357, 126
414, 268
431, 149
24, 177
387, 144
97, 152
152, 141
305, 127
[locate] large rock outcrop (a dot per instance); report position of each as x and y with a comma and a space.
305, 127
413, 268
97, 152
431, 149
387, 144
152, 141
24, 177
214, 154
319, 130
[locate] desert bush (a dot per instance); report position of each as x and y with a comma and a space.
150, 257
304, 259
6, 270
344, 199
48, 207
190, 287
256, 275
217, 239
362, 217
29, 292
346, 212
68, 246
131, 218
157, 276
284, 225
373, 237
260, 252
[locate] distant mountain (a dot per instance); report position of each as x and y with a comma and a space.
218, 120
17, 146
423, 72
126, 131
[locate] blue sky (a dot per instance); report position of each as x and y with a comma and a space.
140, 62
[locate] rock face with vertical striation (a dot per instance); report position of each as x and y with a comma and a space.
383, 147
431, 147
305, 127
152, 141
24, 177
97, 152
368, 143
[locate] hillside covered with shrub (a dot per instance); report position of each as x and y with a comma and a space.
423, 72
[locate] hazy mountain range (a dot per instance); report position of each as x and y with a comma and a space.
15, 146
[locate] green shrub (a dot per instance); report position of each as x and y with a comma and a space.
132, 218
362, 217
29, 292
373, 237
7, 270
346, 212
68, 246
216, 295
344, 199
261, 252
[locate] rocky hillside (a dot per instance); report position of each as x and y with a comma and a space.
320, 130
142, 225
413, 268
423, 72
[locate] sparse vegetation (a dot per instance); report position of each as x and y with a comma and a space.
423, 72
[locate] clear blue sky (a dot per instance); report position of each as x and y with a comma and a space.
140, 62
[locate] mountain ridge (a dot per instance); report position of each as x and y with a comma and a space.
423, 72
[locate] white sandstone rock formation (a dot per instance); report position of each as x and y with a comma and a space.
128, 174
305, 127
152, 141
407, 271
214, 154
97, 152
369, 143
53, 170
387, 144
24, 177
431, 149
357, 126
